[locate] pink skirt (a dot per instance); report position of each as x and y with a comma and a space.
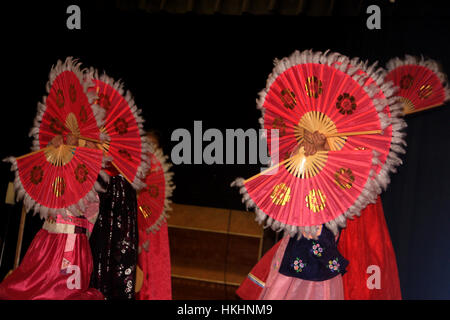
40, 275
281, 287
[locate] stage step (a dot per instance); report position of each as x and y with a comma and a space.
212, 250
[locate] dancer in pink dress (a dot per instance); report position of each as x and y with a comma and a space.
58, 263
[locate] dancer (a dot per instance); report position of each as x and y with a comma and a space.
313, 192
154, 251
309, 268
58, 263
373, 248
114, 239
272, 278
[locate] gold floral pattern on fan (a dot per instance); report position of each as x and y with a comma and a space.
83, 114
425, 91
281, 194
56, 126
60, 98
145, 210
121, 126
72, 93
153, 191
288, 98
346, 103
278, 123
313, 87
59, 186
36, 174
315, 200
81, 173
344, 178
406, 81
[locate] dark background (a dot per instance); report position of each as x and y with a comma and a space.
210, 67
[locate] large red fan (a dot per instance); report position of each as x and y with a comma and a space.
309, 92
67, 108
422, 84
123, 125
53, 179
153, 200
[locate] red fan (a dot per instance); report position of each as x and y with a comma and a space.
123, 126
422, 84
153, 200
67, 108
53, 179
390, 143
307, 93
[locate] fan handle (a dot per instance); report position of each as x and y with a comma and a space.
354, 133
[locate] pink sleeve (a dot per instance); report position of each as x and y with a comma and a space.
91, 212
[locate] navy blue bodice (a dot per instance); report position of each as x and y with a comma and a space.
314, 260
